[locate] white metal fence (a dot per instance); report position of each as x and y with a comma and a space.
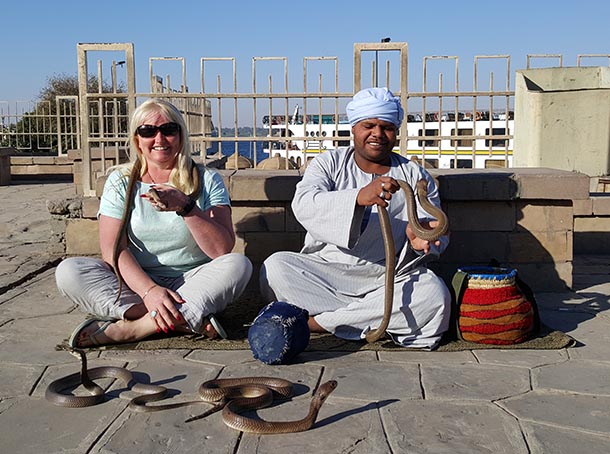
445, 125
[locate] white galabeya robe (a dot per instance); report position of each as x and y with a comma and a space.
339, 274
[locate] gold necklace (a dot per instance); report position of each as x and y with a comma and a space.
151, 178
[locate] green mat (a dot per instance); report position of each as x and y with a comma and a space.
547, 340
236, 318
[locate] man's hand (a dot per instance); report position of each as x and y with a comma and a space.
417, 243
377, 192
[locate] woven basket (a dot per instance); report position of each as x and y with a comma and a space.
491, 307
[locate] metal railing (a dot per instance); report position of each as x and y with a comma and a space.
444, 123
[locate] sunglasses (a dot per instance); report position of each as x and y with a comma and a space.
167, 129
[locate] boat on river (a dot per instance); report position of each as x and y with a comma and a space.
479, 139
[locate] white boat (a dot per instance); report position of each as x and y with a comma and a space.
482, 140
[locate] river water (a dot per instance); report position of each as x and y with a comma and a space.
247, 149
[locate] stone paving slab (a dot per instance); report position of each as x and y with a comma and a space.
476, 382
27, 241
31, 425
589, 413
543, 439
583, 377
501, 401
451, 427
342, 427
522, 358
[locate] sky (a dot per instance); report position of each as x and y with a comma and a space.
40, 37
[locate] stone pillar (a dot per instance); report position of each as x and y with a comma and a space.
5, 165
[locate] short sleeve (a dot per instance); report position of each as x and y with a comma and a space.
214, 190
112, 202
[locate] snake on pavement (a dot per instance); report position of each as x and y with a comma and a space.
232, 395
390, 249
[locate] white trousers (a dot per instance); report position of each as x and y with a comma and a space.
92, 285
348, 300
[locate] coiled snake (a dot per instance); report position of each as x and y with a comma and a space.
231, 395
390, 249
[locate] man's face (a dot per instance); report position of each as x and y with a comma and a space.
374, 139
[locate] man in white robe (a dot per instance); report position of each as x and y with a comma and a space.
338, 277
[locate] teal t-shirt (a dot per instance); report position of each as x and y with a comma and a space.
160, 241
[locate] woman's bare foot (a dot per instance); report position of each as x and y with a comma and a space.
95, 332
213, 328
209, 331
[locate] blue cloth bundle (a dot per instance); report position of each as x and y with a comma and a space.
279, 333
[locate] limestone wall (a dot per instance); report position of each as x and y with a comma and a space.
523, 217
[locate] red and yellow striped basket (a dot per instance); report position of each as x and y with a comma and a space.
491, 308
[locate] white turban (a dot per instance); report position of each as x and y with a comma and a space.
375, 103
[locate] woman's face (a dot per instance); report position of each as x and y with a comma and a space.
163, 147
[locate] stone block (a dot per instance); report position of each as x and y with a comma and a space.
58, 225
5, 166
259, 219
481, 216
601, 206
63, 160
292, 225
21, 160
583, 207
546, 215
41, 169
110, 152
591, 235
592, 224
226, 177
260, 245
546, 277
99, 185
542, 247
82, 237
44, 160
484, 184
240, 244
478, 247
274, 186
542, 183
541, 277
90, 207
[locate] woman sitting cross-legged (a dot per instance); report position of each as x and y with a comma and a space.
166, 237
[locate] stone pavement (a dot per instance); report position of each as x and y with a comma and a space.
500, 401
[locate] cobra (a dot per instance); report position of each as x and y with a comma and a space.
232, 395
390, 250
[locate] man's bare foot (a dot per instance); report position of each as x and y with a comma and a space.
314, 327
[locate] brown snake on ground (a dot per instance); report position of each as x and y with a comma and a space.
390, 249
231, 395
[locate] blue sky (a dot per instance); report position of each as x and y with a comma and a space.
39, 37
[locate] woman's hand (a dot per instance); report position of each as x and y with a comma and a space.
164, 197
163, 302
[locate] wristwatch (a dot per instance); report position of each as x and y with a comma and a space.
187, 208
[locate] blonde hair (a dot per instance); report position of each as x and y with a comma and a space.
184, 176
